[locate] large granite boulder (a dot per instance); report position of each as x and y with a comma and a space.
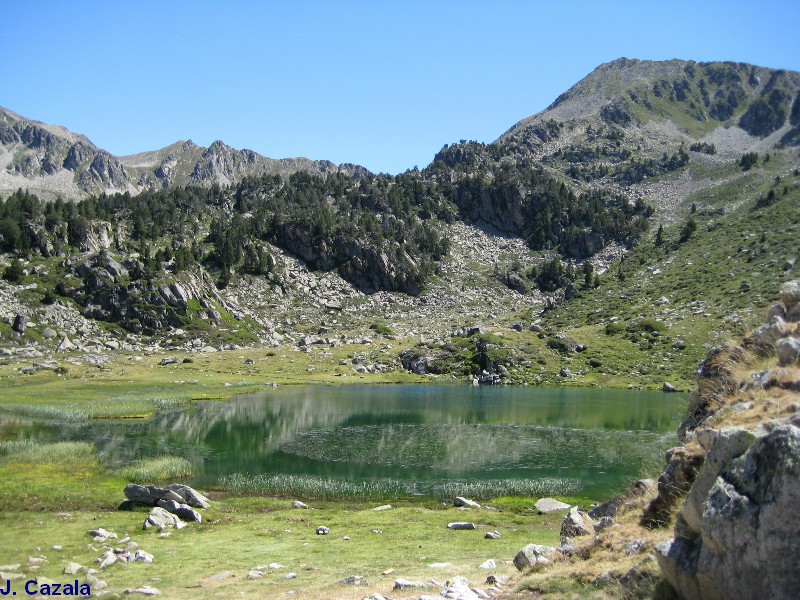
183, 511
744, 542
532, 555
149, 495
161, 519
577, 523
762, 340
190, 495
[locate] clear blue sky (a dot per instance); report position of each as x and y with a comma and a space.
382, 84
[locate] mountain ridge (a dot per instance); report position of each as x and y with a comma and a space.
737, 106
52, 161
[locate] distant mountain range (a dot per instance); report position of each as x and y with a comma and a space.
51, 161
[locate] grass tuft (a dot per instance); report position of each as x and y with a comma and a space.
316, 488
163, 468
495, 488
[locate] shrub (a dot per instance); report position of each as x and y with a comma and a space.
688, 229
13, 272
647, 324
614, 328
382, 329
748, 161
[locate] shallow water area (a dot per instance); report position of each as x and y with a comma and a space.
426, 440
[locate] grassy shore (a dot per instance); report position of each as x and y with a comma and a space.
53, 494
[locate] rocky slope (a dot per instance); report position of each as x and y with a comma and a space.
51, 161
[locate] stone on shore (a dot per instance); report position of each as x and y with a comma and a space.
548, 505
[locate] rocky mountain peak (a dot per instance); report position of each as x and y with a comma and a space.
51, 161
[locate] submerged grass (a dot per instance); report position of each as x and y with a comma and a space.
316, 488
54, 476
28, 451
494, 488
156, 470
47, 412
328, 488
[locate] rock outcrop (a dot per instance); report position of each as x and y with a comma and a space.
736, 534
577, 523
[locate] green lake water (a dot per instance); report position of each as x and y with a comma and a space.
583, 442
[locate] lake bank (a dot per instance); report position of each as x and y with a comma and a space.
77, 385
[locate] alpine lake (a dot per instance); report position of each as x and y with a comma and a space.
408, 440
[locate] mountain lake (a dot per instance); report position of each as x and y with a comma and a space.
435, 441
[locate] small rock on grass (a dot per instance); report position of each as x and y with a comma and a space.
72, 568
547, 505
107, 559
221, 576
403, 584
143, 557
10, 567
298, 504
103, 533
322, 530
461, 526
145, 590
464, 502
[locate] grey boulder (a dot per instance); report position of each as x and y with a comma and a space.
149, 495
182, 511
161, 519
746, 543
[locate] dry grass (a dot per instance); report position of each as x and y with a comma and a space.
727, 396
576, 576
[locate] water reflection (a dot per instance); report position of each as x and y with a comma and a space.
403, 432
